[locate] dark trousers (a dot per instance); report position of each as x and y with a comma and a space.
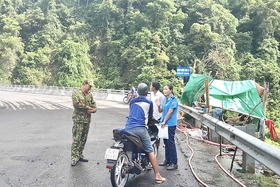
170, 146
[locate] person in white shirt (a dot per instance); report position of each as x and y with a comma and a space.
155, 96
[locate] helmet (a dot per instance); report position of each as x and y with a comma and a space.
142, 89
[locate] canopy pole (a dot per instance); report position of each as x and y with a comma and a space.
265, 96
194, 67
207, 94
251, 112
182, 85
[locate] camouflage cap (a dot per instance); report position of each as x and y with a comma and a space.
89, 82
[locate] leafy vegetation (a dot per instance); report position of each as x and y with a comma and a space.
120, 43
262, 181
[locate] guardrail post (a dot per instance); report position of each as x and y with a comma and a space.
248, 162
212, 135
197, 123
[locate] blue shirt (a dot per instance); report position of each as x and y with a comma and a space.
133, 91
167, 103
140, 110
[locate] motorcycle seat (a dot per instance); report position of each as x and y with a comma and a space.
119, 132
129, 133
122, 133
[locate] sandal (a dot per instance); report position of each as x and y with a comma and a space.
158, 181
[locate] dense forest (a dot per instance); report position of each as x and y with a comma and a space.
120, 43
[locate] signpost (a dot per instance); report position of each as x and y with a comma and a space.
183, 71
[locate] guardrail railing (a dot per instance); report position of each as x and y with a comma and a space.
259, 150
99, 94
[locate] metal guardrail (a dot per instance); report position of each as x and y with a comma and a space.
257, 149
99, 94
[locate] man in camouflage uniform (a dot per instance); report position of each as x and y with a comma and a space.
84, 105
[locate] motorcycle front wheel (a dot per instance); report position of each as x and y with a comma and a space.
125, 100
119, 173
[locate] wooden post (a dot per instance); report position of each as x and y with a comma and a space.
265, 96
182, 85
194, 67
207, 93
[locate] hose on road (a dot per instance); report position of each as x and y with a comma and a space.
183, 127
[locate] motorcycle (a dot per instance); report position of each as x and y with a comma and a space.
128, 98
126, 156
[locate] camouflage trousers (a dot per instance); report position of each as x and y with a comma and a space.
79, 133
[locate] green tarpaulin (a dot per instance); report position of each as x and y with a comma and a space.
238, 96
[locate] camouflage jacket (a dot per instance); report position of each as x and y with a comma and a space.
81, 102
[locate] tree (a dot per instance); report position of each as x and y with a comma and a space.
10, 47
268, 50
71, 64
33, 69
201, 39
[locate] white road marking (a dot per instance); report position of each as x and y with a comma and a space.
21, 101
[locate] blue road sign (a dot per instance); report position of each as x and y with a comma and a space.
183, 71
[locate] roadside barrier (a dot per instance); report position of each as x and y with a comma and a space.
99, 94
257, 149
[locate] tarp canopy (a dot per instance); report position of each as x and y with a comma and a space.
239, 96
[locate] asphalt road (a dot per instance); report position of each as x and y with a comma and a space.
35, 140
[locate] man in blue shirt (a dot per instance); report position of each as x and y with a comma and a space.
132, 93
141, 110
133, 90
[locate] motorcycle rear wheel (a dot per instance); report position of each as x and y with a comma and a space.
119, 173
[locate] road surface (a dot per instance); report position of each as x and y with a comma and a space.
35, 141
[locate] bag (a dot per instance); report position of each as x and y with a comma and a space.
163, 132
